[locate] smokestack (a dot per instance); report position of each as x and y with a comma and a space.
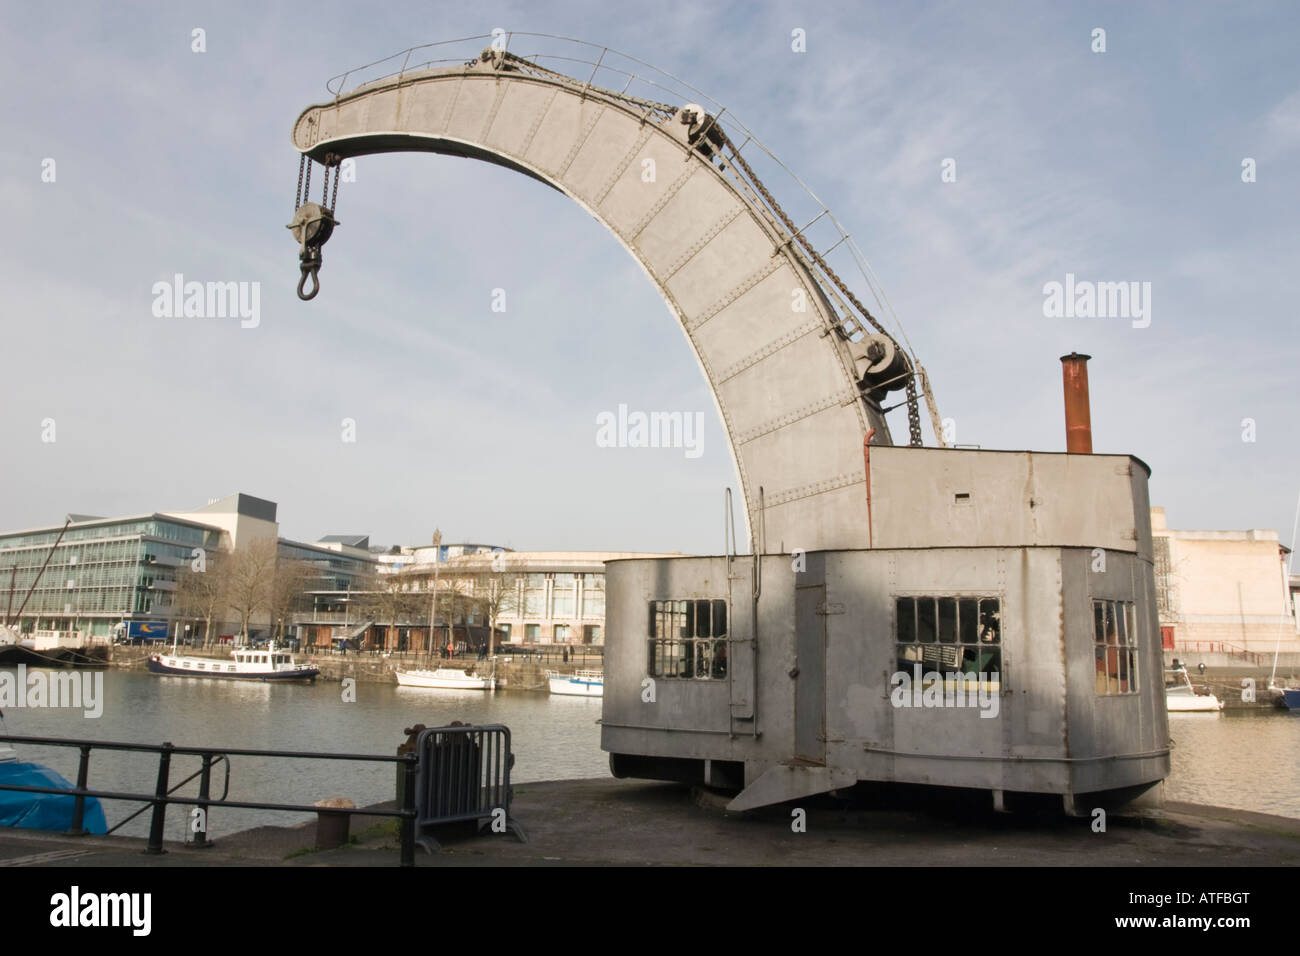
1078, 417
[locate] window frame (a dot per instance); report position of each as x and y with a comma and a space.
1124, 650
949, 643
699, 651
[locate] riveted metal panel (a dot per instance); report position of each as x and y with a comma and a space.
518, 117
928, 497
602, 152
688, 216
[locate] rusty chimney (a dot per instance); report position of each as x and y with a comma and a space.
1078, 417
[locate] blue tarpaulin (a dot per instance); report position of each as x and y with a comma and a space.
42, 811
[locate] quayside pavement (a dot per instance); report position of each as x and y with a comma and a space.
620, 822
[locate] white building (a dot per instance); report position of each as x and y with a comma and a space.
553, 597
1223, 592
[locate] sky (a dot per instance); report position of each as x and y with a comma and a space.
1119, 165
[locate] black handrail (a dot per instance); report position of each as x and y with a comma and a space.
162, 796
203, 792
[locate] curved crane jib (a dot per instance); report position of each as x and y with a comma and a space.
796, 389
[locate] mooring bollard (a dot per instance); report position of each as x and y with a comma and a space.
333, 822
412, 735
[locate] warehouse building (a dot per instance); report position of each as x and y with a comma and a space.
1223, 596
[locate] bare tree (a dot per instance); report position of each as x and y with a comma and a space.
390, 600
251, 571
201, 593
453, 599
285, 592
496, 592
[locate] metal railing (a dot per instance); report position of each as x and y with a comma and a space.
163, 795
464, 775
1220, 647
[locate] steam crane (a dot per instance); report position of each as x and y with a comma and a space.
929, 615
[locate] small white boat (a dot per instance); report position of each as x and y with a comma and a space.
1181, 697
244, 664
446, 678
579, 684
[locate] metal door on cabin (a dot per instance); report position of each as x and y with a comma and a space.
810, 673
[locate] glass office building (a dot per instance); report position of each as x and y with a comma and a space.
103, 571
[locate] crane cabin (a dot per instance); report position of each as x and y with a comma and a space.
998, 633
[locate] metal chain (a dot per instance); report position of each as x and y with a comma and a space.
802, 239
306, 195
325, 187
913, 411
530, 67
297, 197
334, 199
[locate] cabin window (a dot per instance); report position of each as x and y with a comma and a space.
959, 634
688, 639
230, 667
202, 666
1115, 647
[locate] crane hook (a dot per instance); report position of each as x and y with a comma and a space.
309, 271
312, 226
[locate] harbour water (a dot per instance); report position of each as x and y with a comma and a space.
1248, 762
552, 738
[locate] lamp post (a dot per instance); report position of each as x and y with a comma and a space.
433, 602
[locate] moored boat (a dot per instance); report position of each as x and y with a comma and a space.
1290, 696
1182, 697
446, 678
41, 811
244, 664
579, 684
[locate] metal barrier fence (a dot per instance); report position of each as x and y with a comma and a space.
163, 794
464, 774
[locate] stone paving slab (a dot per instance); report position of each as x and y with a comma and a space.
606, 821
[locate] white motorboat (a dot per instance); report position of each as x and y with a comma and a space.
579, 684
1181, 697
446, 678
